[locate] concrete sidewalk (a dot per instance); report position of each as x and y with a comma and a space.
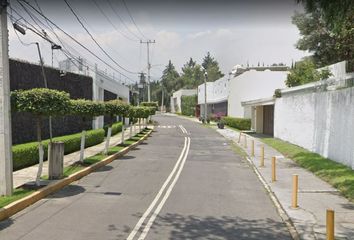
314, 197
28, 174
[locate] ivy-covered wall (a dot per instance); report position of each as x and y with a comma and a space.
24, 75
188, 105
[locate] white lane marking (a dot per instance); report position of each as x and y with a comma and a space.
185, 130
182, 129
152, 205
167, 194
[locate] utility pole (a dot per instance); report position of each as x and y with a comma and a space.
148, 42
205, 96
6, 181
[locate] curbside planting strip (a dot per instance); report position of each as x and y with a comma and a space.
15, 207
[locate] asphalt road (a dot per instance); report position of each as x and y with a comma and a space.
184, 182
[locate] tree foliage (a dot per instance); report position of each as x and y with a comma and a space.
212, 68
41, 101
327, 30
87, 108
116, 108
305, 72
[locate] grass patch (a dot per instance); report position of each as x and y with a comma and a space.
17, 194
336, 174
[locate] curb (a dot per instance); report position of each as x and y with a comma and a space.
282, 213
21, 204
280, 209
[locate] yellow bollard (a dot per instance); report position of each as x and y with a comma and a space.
245, 140
262, 156
252, 148
274, 173
239, 138
295, 191
330, 224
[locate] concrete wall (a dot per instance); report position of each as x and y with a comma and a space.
321, 122
252, 85
216, 91
176, 98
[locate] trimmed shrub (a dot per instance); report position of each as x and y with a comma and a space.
150, 104
41, 101
139, 112
116, 128
239, 123
86, 108
188, 104
116, 108
25, 155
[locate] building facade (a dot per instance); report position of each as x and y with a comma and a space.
176, 99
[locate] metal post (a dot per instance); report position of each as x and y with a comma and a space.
294, 202
330, 224
6, 181
205, 96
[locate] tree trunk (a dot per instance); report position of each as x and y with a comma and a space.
40, 152
82, 146
131, 130
139, 124
109, 132
123, 124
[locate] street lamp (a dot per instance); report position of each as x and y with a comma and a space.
205, 94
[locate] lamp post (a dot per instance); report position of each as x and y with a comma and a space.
205, 95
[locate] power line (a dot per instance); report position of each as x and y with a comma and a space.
75, 40
113, 25
131, 17
94, 40
121, 20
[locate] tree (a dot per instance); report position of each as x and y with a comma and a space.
212, 68
327, 30
170, 81
87, 109
305, 72
41, 102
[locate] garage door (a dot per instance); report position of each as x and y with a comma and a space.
268, 119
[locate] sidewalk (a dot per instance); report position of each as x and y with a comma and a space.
314, 196
28, 174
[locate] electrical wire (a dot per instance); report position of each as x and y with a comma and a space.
131, 17
121, 20
94, 40
75, 40
111, 23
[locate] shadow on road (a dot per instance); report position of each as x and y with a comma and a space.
194, 227
68, 191
6, 223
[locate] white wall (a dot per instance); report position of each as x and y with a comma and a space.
252, 85
217, 91
322, 122
103, 82
176, 97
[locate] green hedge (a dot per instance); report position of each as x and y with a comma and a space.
116, 128
188, 104
239, 123
25, 155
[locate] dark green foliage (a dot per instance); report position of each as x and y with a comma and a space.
87, 108
150, 104
188, 104
239, 123
327, 31
305, 72
139, 112
116, 108
25, 155
116, 128
212, 68
41, 101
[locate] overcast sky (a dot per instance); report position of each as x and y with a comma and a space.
233, 31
